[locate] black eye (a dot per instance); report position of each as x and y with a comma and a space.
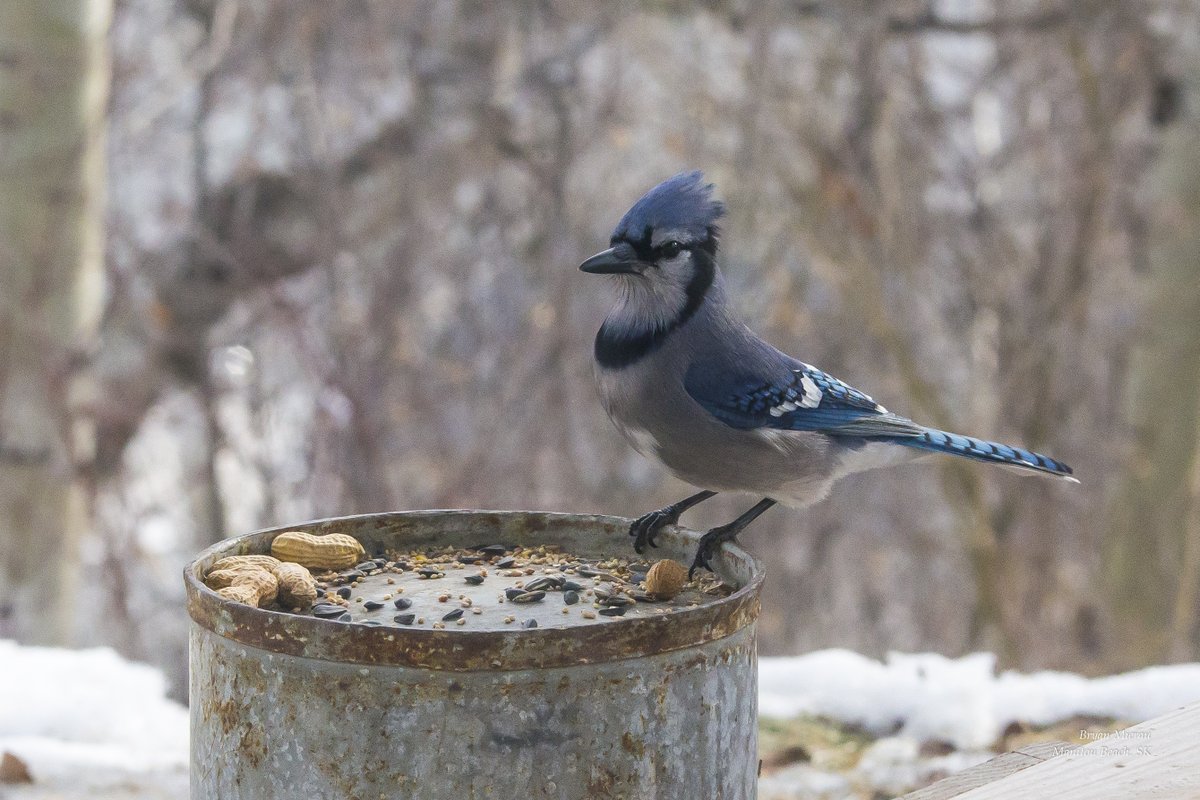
670, 249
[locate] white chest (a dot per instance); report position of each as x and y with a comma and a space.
620, 392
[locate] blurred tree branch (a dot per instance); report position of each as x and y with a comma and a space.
929, 22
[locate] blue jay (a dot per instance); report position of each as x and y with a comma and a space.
687, 383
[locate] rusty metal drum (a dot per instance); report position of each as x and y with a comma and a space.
285, 705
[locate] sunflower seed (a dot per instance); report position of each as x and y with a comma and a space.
372, 605
405, 619
613, 611
453, 615
528, 597
570, 597
529, 623
402, 603
474, 580
544, 582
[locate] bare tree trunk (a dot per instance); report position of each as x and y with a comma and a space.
53, 90
1151, 549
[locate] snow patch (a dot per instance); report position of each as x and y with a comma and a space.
88, 718
961, 701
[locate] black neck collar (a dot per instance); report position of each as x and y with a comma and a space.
615, 349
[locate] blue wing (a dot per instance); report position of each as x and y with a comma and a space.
796, 397
800, 397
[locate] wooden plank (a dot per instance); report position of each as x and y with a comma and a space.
999, 767
1155, 760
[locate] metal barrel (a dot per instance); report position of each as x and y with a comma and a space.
290, 706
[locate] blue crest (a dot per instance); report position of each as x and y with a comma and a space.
683, 202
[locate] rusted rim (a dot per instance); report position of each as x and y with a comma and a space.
465, 650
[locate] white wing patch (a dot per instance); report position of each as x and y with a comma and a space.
808, 384
781, 409
812, 395
809, 397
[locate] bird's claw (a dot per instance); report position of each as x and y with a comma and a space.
646, 527
710, 543
703, 554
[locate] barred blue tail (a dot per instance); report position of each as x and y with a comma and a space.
981, 450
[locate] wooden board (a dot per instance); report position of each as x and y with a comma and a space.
989, 771
1155, 760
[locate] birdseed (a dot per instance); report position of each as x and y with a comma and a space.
504, 585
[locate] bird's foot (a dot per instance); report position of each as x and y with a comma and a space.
710, 543
646, 527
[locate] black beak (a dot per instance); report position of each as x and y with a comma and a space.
613, 260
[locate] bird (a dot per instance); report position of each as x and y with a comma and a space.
687, 383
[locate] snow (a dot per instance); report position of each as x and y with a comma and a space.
962, 701
87, 721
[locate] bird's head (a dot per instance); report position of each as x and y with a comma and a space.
658, 237
664, 247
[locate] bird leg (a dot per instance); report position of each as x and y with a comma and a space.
646, 527
711, 541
